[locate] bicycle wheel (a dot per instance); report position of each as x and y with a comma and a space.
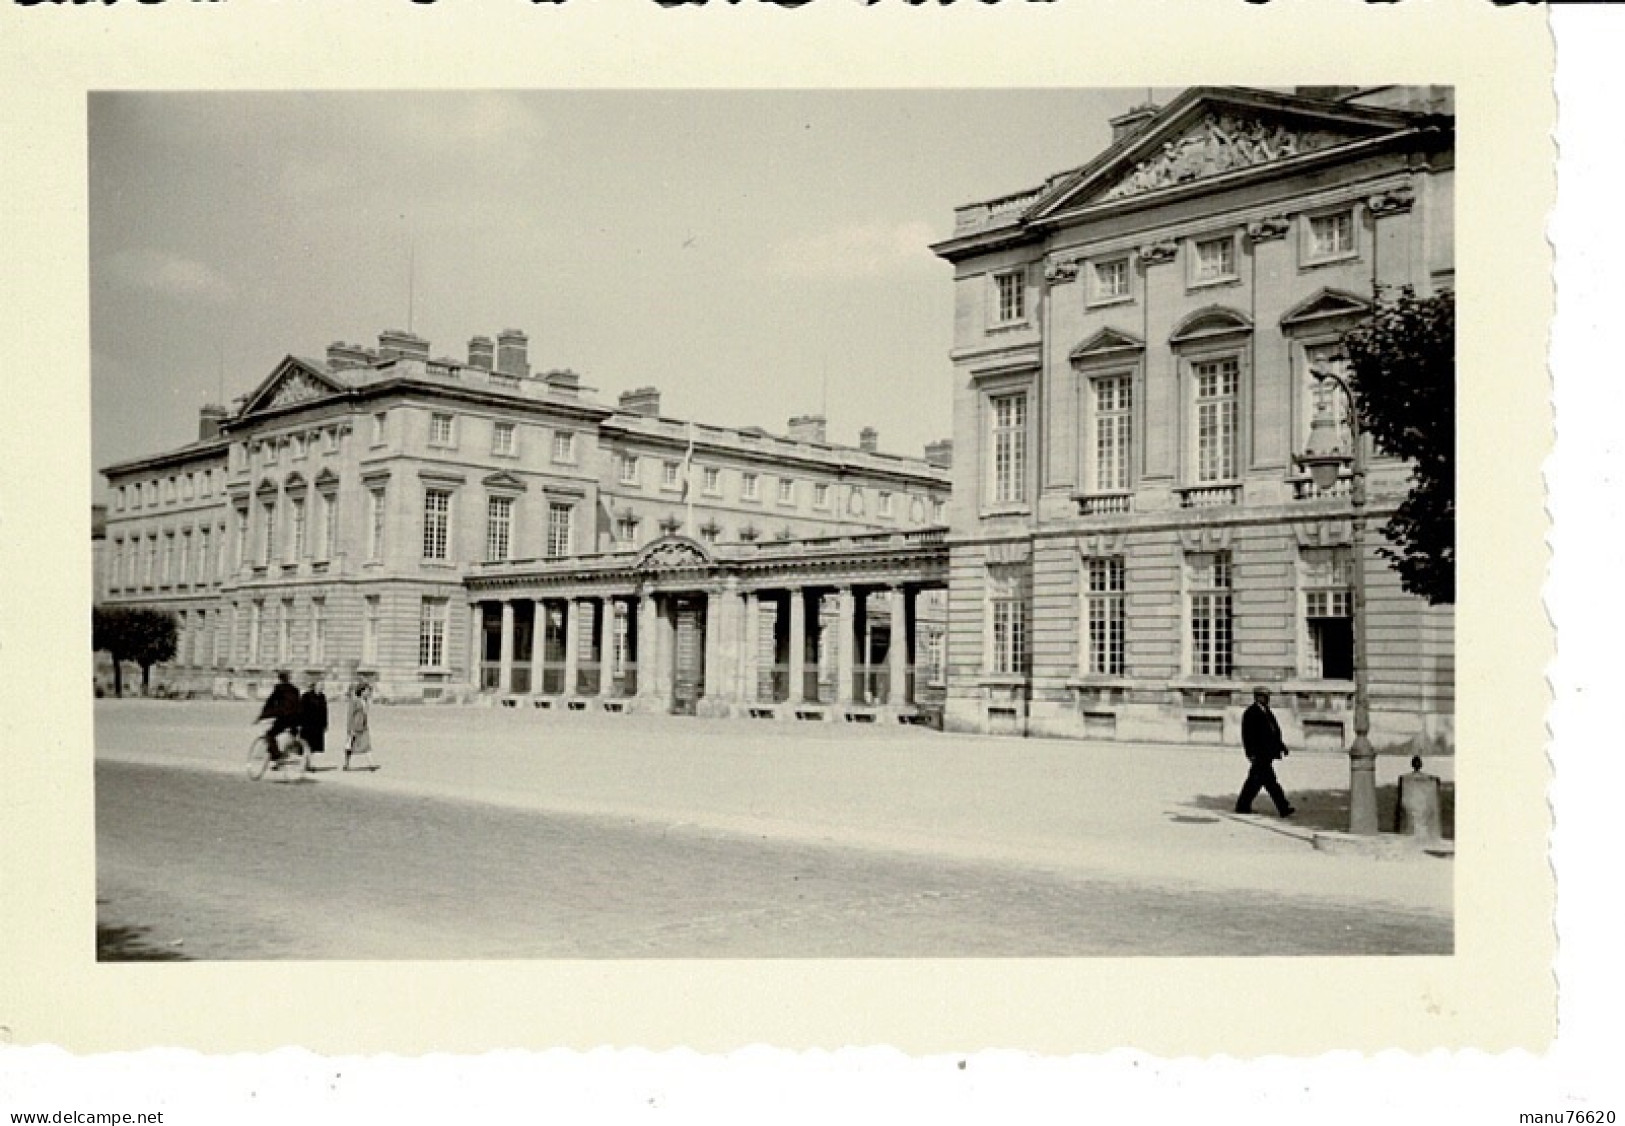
295, 761
259, 756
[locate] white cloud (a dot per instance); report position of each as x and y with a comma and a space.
857, 250
170, 275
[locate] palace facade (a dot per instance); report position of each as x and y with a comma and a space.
1133, 543
454, 529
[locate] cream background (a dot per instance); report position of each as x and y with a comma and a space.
1498, 990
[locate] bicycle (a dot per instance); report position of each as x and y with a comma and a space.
285, 763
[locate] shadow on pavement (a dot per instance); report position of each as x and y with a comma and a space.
128, 944
1328, 810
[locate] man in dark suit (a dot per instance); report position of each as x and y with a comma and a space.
1261, 739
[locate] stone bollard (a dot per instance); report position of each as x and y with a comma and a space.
1419, 812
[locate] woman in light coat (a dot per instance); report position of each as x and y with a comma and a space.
360, 738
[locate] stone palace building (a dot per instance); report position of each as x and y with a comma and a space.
1133, 542
1130, 541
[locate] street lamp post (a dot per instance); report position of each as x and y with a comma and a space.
1325, 459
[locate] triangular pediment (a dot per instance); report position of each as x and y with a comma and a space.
293, 381
1328, 304
1206, 134
504, 481
1107, 343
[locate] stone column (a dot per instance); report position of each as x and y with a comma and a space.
648, 645
538, 645
505, 658
572, 644
476, 645
897, 689
751, 646
798, 644
845, 635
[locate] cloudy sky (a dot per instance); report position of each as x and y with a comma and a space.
742, 251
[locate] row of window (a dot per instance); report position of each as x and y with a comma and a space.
1213, 435
279, 632
1326, 638
192, 556
443, 427
198, 484
675, 477
1324, 237
295, 446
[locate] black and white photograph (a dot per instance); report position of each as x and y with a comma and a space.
618, 559
531, 529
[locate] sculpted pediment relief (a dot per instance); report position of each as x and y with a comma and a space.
1219, 142
293, 382
673, 551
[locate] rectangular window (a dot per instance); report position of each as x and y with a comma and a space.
713, 480
206, 484
939, 511
184, 559
1108, 280
119, 499
241, 557
1009, 298
377, 509
1008, 621
1213, 260
166, 570
1327, 578
1322, 396
256, 631
296, 546
1113, 433
498, 527
564, 446
267, 531
670, 474
330, 441
558, 529
1105, 616
504, 439
189, 486
1008, 425
1330, 236
432, 633
369, 630
204, 557
1216, 384
820, 495
787, 491
272, 448
436, 523
626, 530
750, 486
1209, 584
440, 430
296, 447
284, 632
380, 428
318, 630
885, 503
326, 506
629, 469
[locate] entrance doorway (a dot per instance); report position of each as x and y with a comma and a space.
688, 654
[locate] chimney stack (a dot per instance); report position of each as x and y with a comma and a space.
397, 344
1130, 123
512, 352
868, 439
641, 400
482, 353
808, 428
341, 355
564, 382
209, 418
940, 453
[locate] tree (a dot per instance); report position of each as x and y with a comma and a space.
129, 633
1402, 364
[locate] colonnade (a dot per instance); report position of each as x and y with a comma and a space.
716, 648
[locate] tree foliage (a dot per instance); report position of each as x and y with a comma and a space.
1403, 374
130, 633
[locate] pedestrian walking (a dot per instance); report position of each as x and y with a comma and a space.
313, 715
359, 744
1261, 740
